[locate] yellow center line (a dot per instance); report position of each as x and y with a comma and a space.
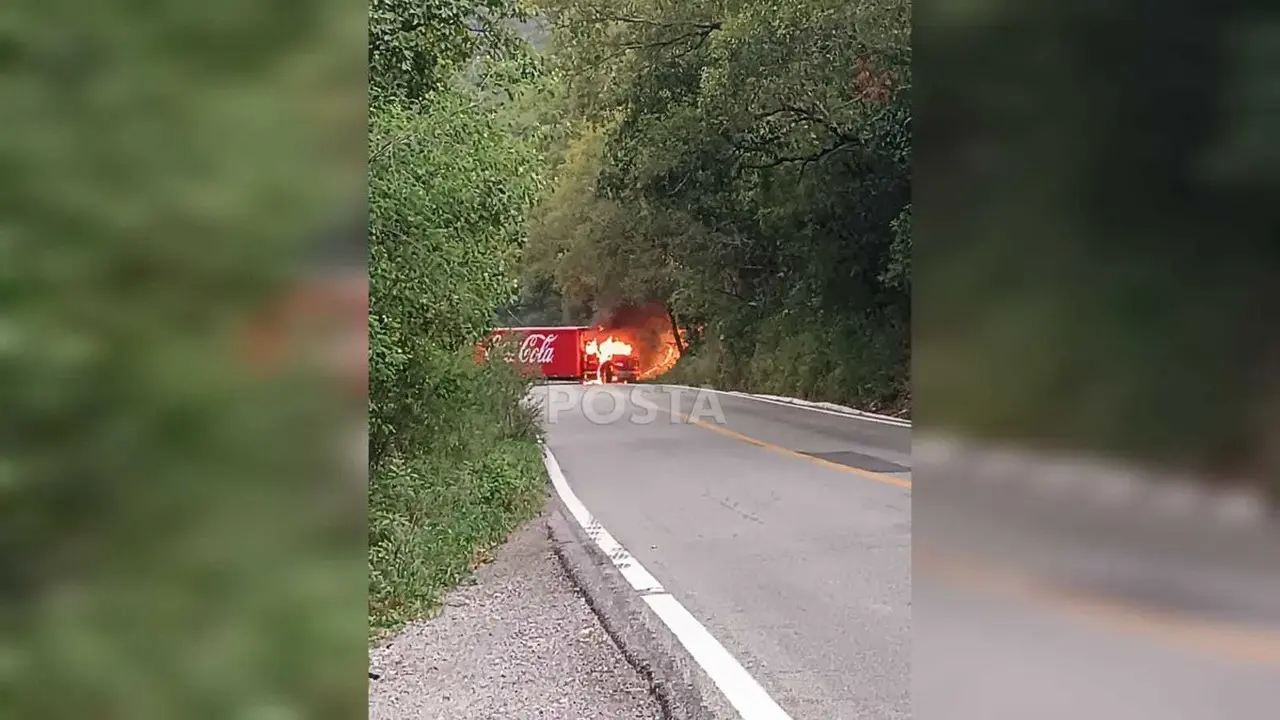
1250, 645
868, 474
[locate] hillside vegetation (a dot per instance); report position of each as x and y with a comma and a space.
454, 462
748, 168
747, 165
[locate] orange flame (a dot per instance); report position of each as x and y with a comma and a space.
667, 357
645, 333
609, 347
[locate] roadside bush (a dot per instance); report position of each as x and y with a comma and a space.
434, 512
454, 459
851, 362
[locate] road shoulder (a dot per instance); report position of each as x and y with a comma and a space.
684, 689
517, 641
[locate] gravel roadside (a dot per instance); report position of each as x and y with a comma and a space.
517, 641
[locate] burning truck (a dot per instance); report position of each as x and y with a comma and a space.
610, 360
568, 353
627, 343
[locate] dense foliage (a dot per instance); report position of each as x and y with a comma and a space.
748, 165
453, 459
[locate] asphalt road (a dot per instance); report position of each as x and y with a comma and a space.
1024, 607
800, 565
1048, 607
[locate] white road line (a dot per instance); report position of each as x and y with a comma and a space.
851, 414
739, 688
832, 408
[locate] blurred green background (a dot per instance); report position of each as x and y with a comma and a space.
1097, 248
174, 539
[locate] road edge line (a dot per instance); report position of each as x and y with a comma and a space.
845, 412
687, 667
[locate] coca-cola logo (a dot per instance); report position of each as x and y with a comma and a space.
538, 348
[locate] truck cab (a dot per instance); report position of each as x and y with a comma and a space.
619, 368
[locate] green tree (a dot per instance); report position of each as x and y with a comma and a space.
749, 166
454, 462
448, 195
418, 47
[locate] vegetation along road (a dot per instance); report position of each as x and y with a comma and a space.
744, 168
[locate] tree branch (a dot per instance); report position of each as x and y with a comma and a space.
632, 20
630, 47
810, 116
695, 47
804, 160
700, 30
667, 43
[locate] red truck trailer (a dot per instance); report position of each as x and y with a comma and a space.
568, 353
557, 352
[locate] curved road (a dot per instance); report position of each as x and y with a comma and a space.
787, 532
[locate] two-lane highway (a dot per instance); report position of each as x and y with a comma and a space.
785, 531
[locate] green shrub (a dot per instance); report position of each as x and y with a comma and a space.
454, 459
853, 362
